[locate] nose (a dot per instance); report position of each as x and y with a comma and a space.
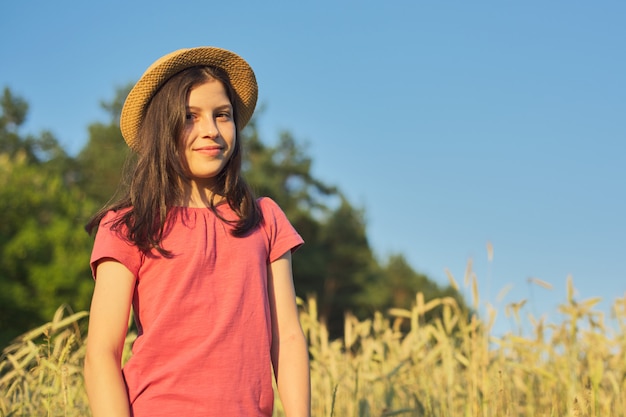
208, 128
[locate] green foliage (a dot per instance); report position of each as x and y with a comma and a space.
102, 161
284, 173
44, 251
349, 267
103, 157
14, 111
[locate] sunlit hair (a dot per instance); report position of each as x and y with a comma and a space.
156, 182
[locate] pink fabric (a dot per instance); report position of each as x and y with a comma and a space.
204, 324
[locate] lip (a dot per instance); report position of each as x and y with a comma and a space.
209, 150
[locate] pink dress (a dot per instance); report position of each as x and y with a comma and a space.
204, 340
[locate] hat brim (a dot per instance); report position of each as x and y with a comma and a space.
240, 74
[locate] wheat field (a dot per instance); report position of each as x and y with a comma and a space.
392, 364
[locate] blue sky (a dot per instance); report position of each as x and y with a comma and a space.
453, 124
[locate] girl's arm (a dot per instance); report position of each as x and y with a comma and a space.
290, 356
108, 323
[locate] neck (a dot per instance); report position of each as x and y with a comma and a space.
198, 196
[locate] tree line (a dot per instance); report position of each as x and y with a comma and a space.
47, 196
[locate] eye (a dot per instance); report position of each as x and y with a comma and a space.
224, 115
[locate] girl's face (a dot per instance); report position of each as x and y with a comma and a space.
208, 138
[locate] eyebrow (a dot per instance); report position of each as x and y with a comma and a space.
221, 107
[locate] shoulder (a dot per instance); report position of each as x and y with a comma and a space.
113, 226
112, 219
271, 211
267, 204
281, 234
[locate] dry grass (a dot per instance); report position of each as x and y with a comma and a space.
41, 373
451, 367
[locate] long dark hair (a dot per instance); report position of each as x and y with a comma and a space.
154, 184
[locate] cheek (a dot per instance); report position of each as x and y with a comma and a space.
184, 137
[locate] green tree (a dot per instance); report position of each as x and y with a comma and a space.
44, 253
14, 110
349, 268
103, 157
43, 148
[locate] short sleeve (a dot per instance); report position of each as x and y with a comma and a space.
112, 244
282, 235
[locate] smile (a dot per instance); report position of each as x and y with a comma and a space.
209, 150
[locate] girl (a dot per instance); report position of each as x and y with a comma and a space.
205, 265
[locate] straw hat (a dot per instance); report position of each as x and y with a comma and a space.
239, 72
